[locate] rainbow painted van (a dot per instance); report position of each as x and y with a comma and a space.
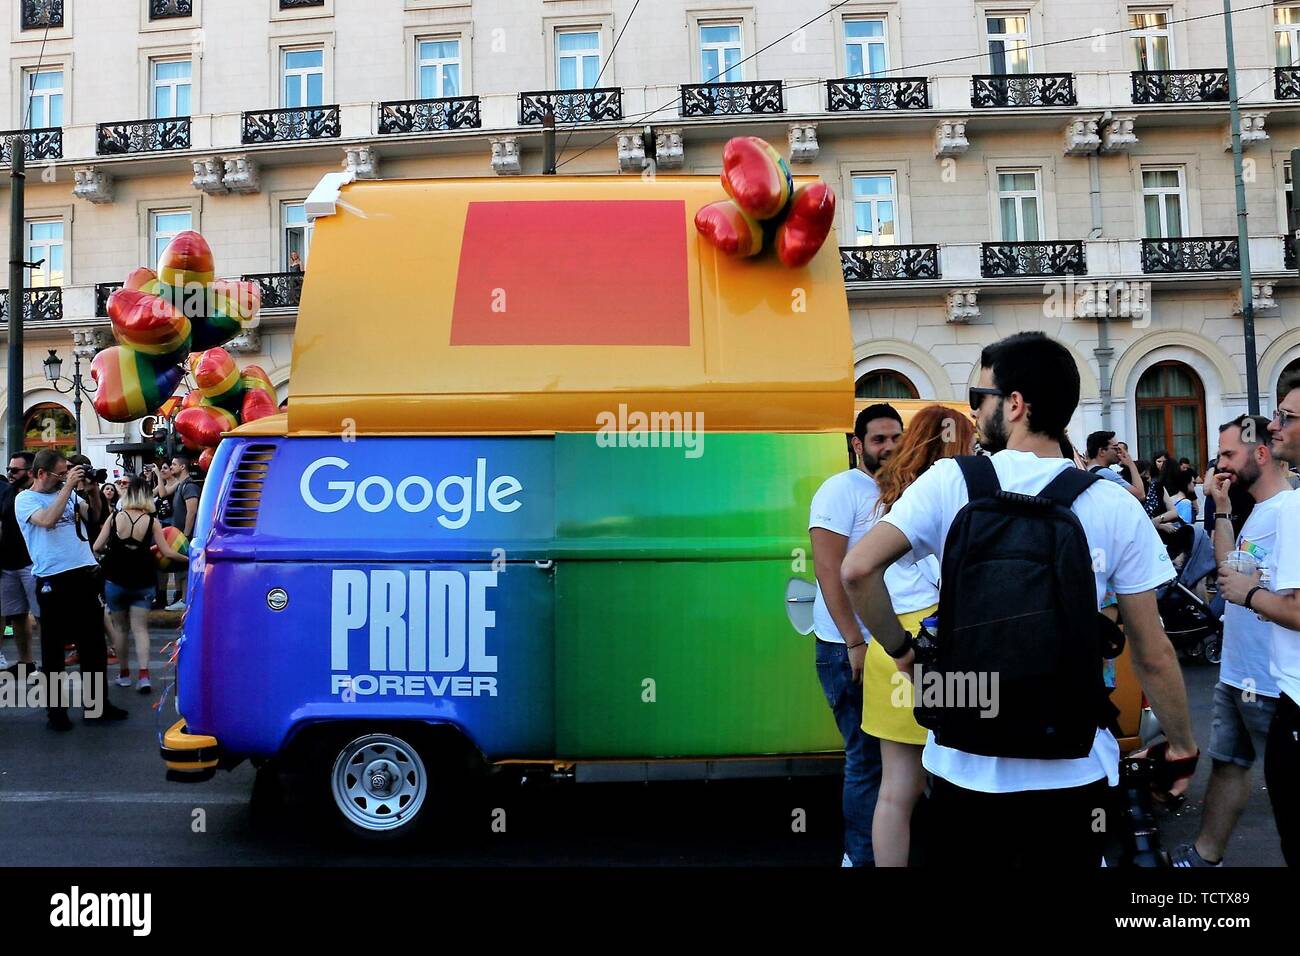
537, 499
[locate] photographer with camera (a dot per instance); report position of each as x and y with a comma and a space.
52, 516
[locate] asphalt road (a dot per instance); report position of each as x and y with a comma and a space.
97, 797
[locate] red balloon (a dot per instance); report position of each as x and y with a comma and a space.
257, 404
727, 228
756, 177
806, 226
200, 426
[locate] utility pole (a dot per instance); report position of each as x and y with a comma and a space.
17, 256
1243, 229
548, 141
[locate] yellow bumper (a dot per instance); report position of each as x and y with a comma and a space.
188, 757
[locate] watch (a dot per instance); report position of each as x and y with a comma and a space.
908, 645
1250, 594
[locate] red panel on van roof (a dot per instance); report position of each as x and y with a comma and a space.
573, 272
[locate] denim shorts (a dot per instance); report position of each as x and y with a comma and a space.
18, 593
120, 599
1239, 727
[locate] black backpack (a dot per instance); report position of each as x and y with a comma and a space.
1018, 604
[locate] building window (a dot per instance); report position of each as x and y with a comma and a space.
164, 226
720, 53
438, 70
44, 245
885, 384
49, 426
1171, 414
577, 54
304, 78
43, 98
875, 210
1151, 40
1020, 205
1164, 198
1008, 44
1286, 35
297, 236
866, 49
171, 87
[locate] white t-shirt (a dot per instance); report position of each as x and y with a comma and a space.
1133, 560
845, 504
1247, 640
53, 550
1285, 659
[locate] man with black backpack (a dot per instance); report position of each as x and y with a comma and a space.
1029, 546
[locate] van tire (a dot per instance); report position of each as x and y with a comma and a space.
378, 784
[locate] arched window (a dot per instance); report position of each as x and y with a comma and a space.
49, 426
1171, 413
885, 383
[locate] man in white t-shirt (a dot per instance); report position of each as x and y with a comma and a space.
1245, 697
999, 811
1278, 601
842, 511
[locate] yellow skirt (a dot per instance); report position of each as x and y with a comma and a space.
886, 703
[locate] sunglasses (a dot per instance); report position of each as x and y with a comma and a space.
977, 394
1285, 418
14, 471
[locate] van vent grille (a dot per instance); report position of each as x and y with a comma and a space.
244, 499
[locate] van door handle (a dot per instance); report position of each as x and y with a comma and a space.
544, 565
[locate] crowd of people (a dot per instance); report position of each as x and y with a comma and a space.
77, 557
999, 546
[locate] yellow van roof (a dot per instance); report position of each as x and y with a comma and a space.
537, 304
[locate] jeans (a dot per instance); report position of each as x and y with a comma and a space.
1282, 776
71, 613
861, 752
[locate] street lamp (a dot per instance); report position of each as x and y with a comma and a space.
53, 373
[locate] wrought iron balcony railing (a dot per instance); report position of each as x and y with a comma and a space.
1180, 86
1288, 252
903, 93
1028, 89
142, 136
726, 99
1212, 254
877, 263
39, 14
282, 126
571, 106
39, 144
39, 305
1286, 82
429, 116
170, 9
280, 290
296, 4
102, 291
1013, 259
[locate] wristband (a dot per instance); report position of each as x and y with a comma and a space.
852, 646
908, 645
1250, 594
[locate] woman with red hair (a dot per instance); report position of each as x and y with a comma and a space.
935, 432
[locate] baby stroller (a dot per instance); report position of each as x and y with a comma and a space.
1194, 626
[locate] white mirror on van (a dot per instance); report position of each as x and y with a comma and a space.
799, 597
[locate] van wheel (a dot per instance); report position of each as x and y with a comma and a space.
379, 785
